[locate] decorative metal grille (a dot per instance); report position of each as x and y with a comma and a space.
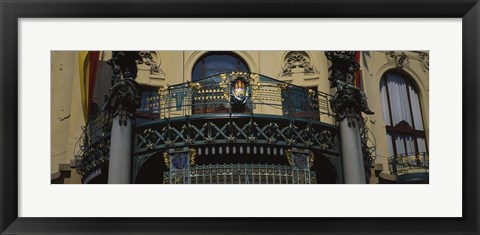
240, 174
94, 156
212, 95
236, 128
408, 163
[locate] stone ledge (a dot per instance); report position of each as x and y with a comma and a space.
386, 178
55, 176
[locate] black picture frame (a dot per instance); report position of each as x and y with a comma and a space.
11, 11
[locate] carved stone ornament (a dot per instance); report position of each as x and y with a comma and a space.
399, 58
125, 94
124, 100
342, 70
122, 62
348, 101
297, 62
148, 59
424, 60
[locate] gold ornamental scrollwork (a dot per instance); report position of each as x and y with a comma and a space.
282, 86
162, 91
224, 85
194, 85
311, 93
288, 154
193, 154
255, 84
166, 159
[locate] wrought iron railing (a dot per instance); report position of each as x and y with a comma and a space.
240, 174
213, 95
263, 129
368, 144
409, 163
97, 127
92, 147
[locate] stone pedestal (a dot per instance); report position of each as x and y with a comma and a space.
120, 165
354, 172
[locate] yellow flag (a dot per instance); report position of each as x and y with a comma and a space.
84, 64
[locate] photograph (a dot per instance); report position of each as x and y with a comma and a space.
239, 117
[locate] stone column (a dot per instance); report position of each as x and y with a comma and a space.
348, 103
120, 165
124, 100
353, 168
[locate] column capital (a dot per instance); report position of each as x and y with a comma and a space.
348, 101
125, 94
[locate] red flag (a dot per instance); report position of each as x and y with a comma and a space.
358, 74
91, 77
88, 64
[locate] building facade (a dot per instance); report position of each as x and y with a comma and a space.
238, 117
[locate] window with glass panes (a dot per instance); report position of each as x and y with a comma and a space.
216, 63
402, 114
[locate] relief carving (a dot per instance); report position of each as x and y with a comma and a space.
399, 58
297, 62
149, 59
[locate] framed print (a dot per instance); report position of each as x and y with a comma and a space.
298, 95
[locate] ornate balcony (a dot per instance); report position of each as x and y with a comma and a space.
231, 120
410, 168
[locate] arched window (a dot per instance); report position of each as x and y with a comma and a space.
402, 114
218, 62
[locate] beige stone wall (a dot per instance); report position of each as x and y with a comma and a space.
62, 67
66, 112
